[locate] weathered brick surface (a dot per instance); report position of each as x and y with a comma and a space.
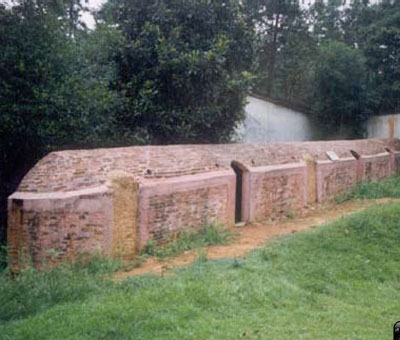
277, 190
125, 215
192, 202
116, 200
74, 170
334, 178
62, 227
311, 178
376, 166
396, 155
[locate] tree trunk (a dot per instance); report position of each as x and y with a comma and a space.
272, 53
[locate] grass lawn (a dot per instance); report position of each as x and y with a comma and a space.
341, 281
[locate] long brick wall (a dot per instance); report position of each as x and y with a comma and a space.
114, 201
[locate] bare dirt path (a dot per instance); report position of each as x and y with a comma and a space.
255, 235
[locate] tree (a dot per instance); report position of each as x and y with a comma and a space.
341, 95
278, 23
294, 70
184, 68
381, 46
28, 37
51, 94
326, 21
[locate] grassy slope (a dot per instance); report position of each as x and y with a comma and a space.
342, 280
379, 189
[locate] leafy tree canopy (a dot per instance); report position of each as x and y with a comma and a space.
339, 98
184, 67
54, 89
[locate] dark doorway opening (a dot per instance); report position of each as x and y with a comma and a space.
239, 192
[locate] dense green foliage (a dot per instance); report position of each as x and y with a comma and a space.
340, 279
382, 49
284, 45
54, 87
340, 65
339, 92
184, 67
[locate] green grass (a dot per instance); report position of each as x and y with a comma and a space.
210, 234
341, 282
31, 291
389, 187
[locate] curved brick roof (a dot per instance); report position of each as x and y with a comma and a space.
80, 169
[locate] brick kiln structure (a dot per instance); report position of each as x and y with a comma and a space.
116, 200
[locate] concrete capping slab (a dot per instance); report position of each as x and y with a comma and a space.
277, 168
20, 195
341, 160
332, 156
184, 182
378, 155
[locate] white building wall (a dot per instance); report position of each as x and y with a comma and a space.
386, 126
268, 122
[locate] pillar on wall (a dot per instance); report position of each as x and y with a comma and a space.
391, 126
311, 178
360, 165
125, 215
392, 160
396, 155
16, 235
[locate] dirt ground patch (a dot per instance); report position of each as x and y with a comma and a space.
254, 235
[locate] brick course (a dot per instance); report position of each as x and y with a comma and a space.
78, 169
63, 227
334, 178
277, 190
117, 200
187, 203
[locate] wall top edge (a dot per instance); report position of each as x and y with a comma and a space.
268, 168
341, 160
383, 154
66, 171
20, 195
187, 178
